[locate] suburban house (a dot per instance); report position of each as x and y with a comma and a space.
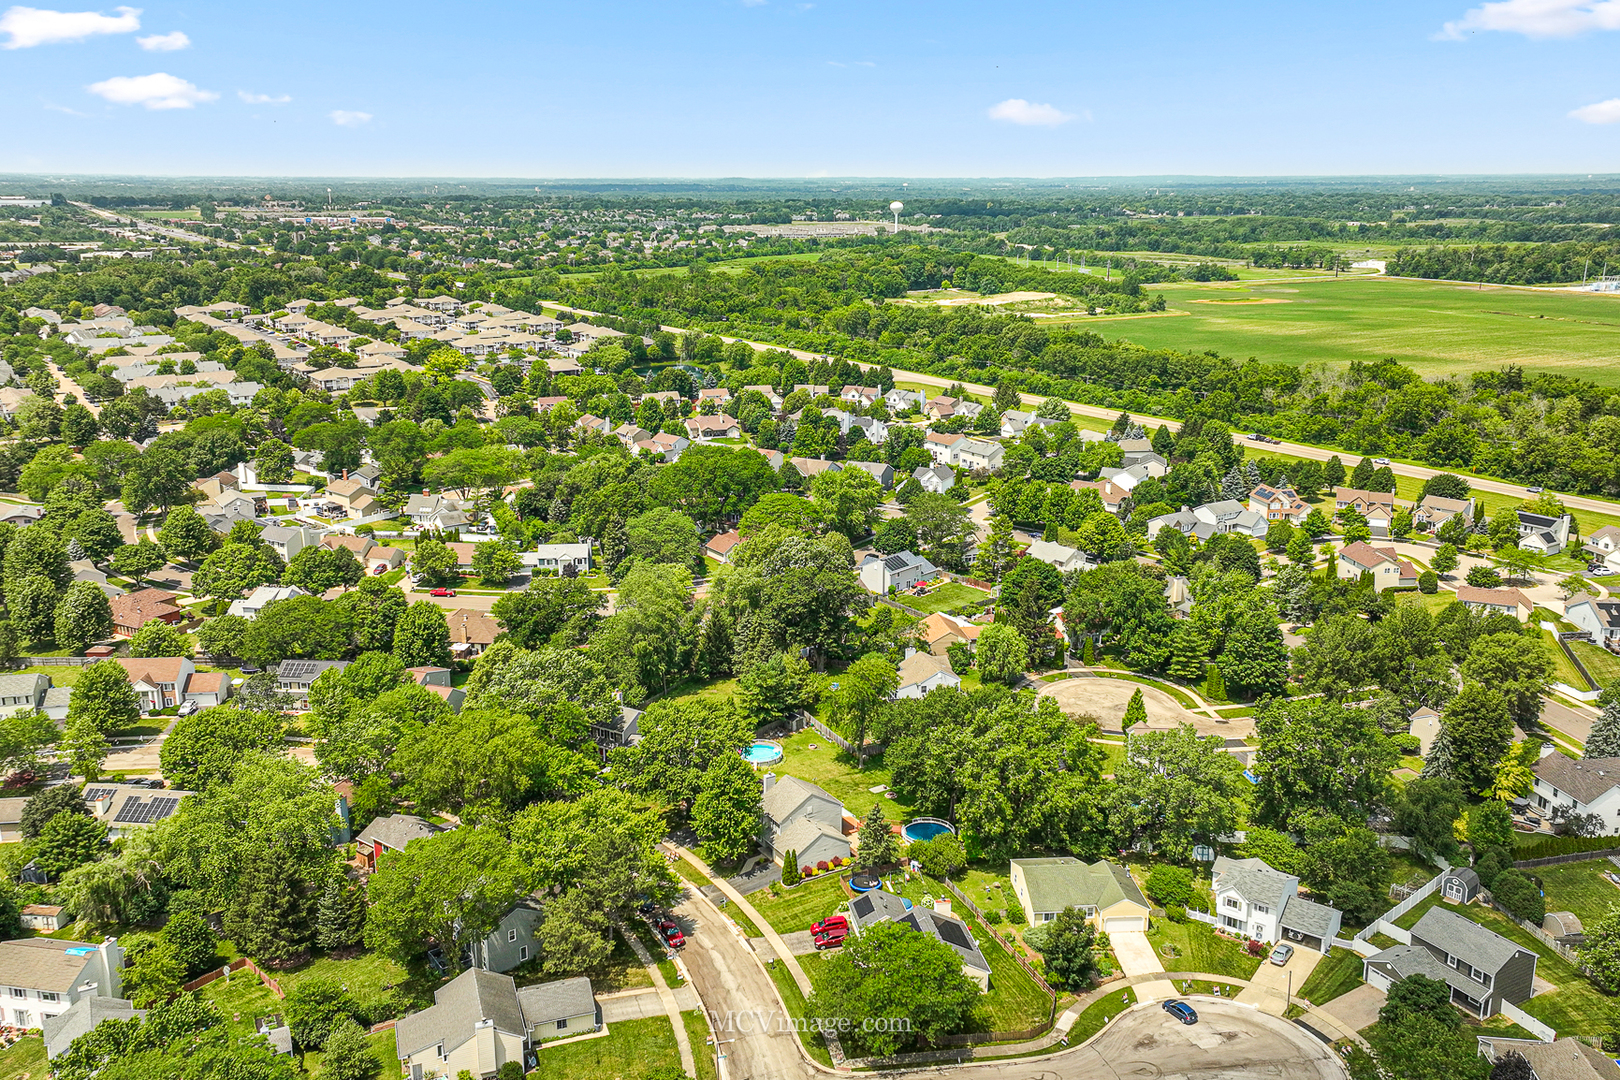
1128, 476
558, 557
295, 677
617, 731
1600, 618
1601, 545
471, 632
480, 1020
1263, 904
1105, 892
921, 672
134, 610
44, 976
1482, 968
1425, 724
710, 428
871, 908
81, 1018
1433, 511
940, 631
1278, 503
381, 559
882, 574
1061, 558
1388, 569
1209, 520
881, 471
942, 447
167, 681
1496, 602
1113, 496
512, 941
1583, 786
19, 693
347, 491
390, 833
254, 602
719, 547
126, 809
900, 401
1562, 1059
810, 466
435, 512
935, 479
287, 542
802, 818
1378, 507
436, 681
980, 455
1544, 534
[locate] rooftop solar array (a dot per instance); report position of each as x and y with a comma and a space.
953, 933
137, 811
96, 794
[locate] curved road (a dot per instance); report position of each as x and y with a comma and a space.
1317, 453
1229, 1042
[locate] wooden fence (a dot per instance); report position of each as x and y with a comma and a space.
225, 973
1011, 949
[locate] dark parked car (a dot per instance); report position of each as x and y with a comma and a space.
1181, 1011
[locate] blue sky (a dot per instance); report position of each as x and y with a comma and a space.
774, 88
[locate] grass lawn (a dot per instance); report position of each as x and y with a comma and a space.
949, 595
793, 1001
1563, 670
1197, 948
1098, 1013
61, 675
697, 1034
632, 1048
1575, 1008
1339, 973
833, 769
1180, 696
23, 1060
1579, 887
716, 690
371, 978
796, 908
1114, 755
1603, 665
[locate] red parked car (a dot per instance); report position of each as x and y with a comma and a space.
831, 939
831, 922
671, 933
442, 592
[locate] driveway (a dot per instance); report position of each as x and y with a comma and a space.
1356, 1009
800, 943
1137, 956
1271, 985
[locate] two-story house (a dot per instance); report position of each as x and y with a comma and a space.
1433, 511
1058, 556
19, 693
802, 818
882, 574
934, 479
1496, 602
390, 833
1483, 969
249, 606
1378, 507
1603, 545
1545, 534
1577, 786
979, 455
1278, 503
480, 1021
1600, 618
1388, 569
295, 677
41, 977
922, 672
1263, 904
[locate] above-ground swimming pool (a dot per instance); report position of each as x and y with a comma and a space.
925, 829
763, 752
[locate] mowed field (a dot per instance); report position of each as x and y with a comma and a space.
1439, 329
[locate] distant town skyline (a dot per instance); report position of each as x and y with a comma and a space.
778, 88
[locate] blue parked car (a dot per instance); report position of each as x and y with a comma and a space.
1181, 1011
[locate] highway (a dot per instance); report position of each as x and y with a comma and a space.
1301, 450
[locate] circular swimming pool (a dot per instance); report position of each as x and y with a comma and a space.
763, 752
925, 829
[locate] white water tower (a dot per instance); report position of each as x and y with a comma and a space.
895, 208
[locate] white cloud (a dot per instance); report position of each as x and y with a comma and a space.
1602, 112
1536, 18
170, 42
40, 26
263, 99
1028, 114
349, 118
158, 91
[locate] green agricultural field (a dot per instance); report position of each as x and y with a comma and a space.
1436, 328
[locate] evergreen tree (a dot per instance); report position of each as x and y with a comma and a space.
1251, 473
996, 554
1135, 711
1233, 485
1214, 684
1604, 741
1333, 473
340, 917
615, 545
876, 845
1438, 764
1361, 476
271, 918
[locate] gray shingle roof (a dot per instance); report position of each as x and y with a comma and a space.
1569, 1059
1464, 938
81, 1018
1307, 917
547, 1002
1253, 880
874, 907
1585, 779
949, 929
395, 831
459, 1005
787, 794
1404, 961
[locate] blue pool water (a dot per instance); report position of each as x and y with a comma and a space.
925, 830
762, 753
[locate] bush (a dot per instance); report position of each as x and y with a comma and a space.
1519, 895
1175, 913
808, 871
1199, 904
1256, 948
1171, 885
940, 857
1490, 862
1428, 582
1015, 915
993, 916
837, 861
822, 867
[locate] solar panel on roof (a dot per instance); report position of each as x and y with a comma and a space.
862, 906
953, 933
162, 808
131, 810
97, 793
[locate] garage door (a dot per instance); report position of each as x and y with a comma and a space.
1124, 922
1377, 979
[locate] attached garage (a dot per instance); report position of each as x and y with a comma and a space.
1113, 924
1377, 979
